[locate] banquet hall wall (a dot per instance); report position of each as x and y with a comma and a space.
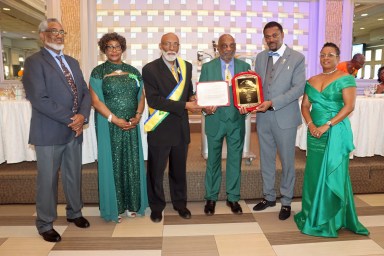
307, 26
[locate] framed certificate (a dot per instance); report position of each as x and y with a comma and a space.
247, 90
212, 94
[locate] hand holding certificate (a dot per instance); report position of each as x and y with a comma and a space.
212, 94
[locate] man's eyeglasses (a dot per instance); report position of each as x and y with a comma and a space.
274, 36
112, 47
168, 44
56, 32
329, 55
225, 46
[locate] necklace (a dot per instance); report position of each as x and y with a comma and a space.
119, 71
330, 72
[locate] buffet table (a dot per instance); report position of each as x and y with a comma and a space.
367, 121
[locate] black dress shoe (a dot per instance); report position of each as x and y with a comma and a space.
263, 205
285, 212
235, 207
156, 216
51, 236
183, 212
80, 222
209, 208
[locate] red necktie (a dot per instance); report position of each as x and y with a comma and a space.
71, 83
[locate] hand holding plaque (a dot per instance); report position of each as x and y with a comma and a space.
247, 90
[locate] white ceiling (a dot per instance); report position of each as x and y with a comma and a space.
25, 15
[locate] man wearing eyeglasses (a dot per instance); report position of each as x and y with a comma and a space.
352, 67
61, 103
282, 72
224, 122
169, 92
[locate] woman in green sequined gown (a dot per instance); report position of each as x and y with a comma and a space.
117, 96
327, 203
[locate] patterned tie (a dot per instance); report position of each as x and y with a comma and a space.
228, 75
174, 73
71, 84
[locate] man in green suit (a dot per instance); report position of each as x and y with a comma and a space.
220, 122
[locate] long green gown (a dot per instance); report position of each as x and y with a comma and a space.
327, 203
121, 171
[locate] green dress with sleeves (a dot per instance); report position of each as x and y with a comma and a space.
327, 203
121, 170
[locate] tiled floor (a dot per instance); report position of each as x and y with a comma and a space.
223, 234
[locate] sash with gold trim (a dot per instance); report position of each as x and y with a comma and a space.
157, 116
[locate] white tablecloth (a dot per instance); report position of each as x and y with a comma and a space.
367, 121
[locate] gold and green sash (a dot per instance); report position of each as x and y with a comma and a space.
157, 116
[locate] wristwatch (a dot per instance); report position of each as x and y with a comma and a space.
329, 123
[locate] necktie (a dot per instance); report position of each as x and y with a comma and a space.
174, 73
273, 54
228, 75
71, 83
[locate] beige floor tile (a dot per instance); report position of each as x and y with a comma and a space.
244, 245
377, 235
25, 247
211, 229
270, 222
90, 211
189, 246
22, 210
107, 253
24, 231
138, 227
372, 221
342, 248
98, 228
372, 199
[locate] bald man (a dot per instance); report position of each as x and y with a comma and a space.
224, 122
352, 66
169, 92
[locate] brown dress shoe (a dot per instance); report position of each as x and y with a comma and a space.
80, 222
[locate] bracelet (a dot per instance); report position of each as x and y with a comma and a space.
309, 123
110, 118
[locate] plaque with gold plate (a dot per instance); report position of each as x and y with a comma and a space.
247, 90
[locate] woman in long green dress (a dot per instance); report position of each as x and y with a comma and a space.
117, 96
327, 203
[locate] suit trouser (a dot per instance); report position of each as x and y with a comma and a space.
272, 139
67, 157
235, 141
158, 157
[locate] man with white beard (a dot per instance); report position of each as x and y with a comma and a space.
169, 92
61, 104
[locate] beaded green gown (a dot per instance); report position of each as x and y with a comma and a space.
122, 183
327, 203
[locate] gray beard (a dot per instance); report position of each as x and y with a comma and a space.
57, 47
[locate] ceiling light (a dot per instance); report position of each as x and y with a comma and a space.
362, 28
24, 37
380, 19
6, 9
364, 14
33, 31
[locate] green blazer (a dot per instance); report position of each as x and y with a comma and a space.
211, 71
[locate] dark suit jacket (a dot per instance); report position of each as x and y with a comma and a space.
159, 83
211, 71
50, 95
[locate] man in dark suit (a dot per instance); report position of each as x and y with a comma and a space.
61, 103
220, 122
169, 93
282, 71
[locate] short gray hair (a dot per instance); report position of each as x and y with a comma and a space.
44, 24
